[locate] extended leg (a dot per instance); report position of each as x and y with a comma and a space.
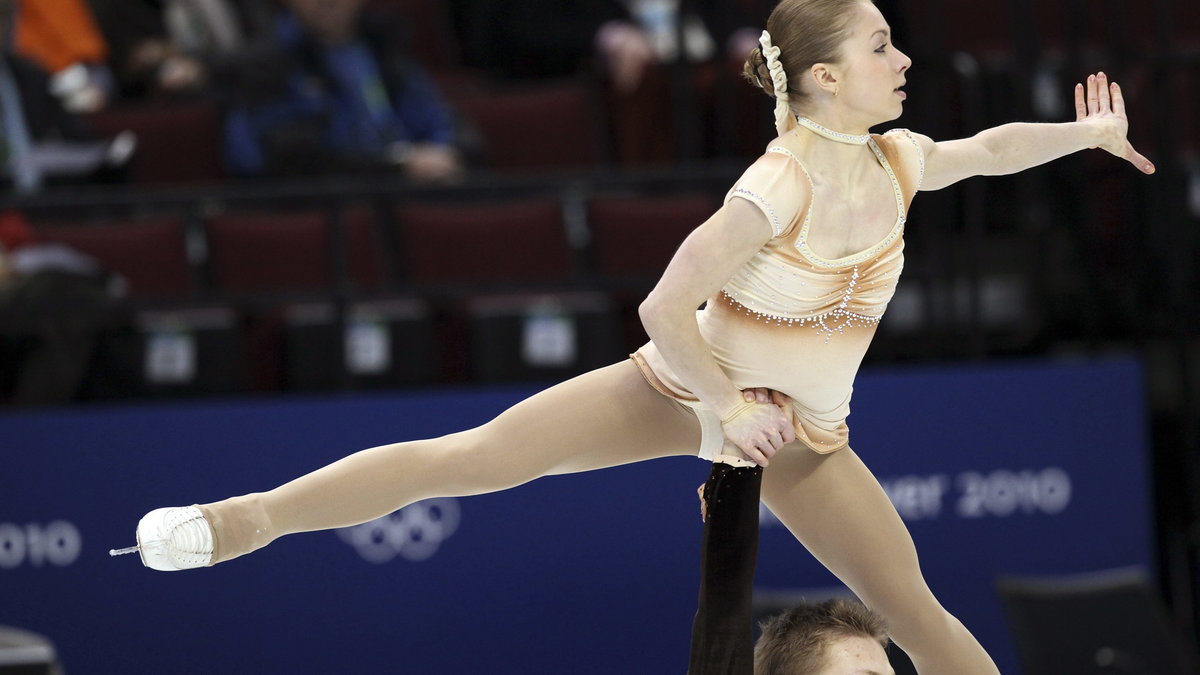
837, 509
603, 418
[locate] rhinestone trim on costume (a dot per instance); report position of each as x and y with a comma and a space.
812, 188
780, 150
920, 153
776, 227
827, 323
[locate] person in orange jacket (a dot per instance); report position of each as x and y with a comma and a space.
62, 38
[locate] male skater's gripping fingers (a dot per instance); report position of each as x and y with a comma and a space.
765, 395
761, 395
757, 428
1102, 102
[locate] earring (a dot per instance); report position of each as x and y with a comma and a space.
835, 91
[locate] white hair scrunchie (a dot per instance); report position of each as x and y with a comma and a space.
783, 112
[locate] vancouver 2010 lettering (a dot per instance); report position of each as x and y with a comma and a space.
1001, 493
57, 544
975, 494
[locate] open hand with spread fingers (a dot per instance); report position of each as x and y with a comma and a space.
1101, 102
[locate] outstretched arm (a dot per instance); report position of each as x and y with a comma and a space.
1100, 122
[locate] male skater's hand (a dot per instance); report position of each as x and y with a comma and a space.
761, 425
760, 395
764, 395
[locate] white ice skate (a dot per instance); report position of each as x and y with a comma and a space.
172, 539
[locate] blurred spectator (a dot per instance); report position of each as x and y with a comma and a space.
41, 139
668, 23
52, 302
735, 25
336, 92
172, 48
546, 39
537, 39
61, 37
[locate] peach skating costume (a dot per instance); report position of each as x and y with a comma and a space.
789, 319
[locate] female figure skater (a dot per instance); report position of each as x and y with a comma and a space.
796, 268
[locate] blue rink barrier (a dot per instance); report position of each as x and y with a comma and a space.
1019, 468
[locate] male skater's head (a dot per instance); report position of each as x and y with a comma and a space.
836, 637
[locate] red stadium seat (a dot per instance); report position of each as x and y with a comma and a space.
177, 143
364, 251
508, 249
638, 235
633, 238
150, 254
291, 253
484, 243
272, 252
542, 128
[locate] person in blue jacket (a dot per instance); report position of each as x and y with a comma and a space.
333, 90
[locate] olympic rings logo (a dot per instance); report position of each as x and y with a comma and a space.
414, 533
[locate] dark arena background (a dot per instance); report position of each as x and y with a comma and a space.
199, 300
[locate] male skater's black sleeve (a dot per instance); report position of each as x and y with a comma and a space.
723, 632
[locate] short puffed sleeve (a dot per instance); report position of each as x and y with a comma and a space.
779, 186
905, 145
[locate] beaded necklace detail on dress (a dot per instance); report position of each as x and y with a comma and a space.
832, 135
